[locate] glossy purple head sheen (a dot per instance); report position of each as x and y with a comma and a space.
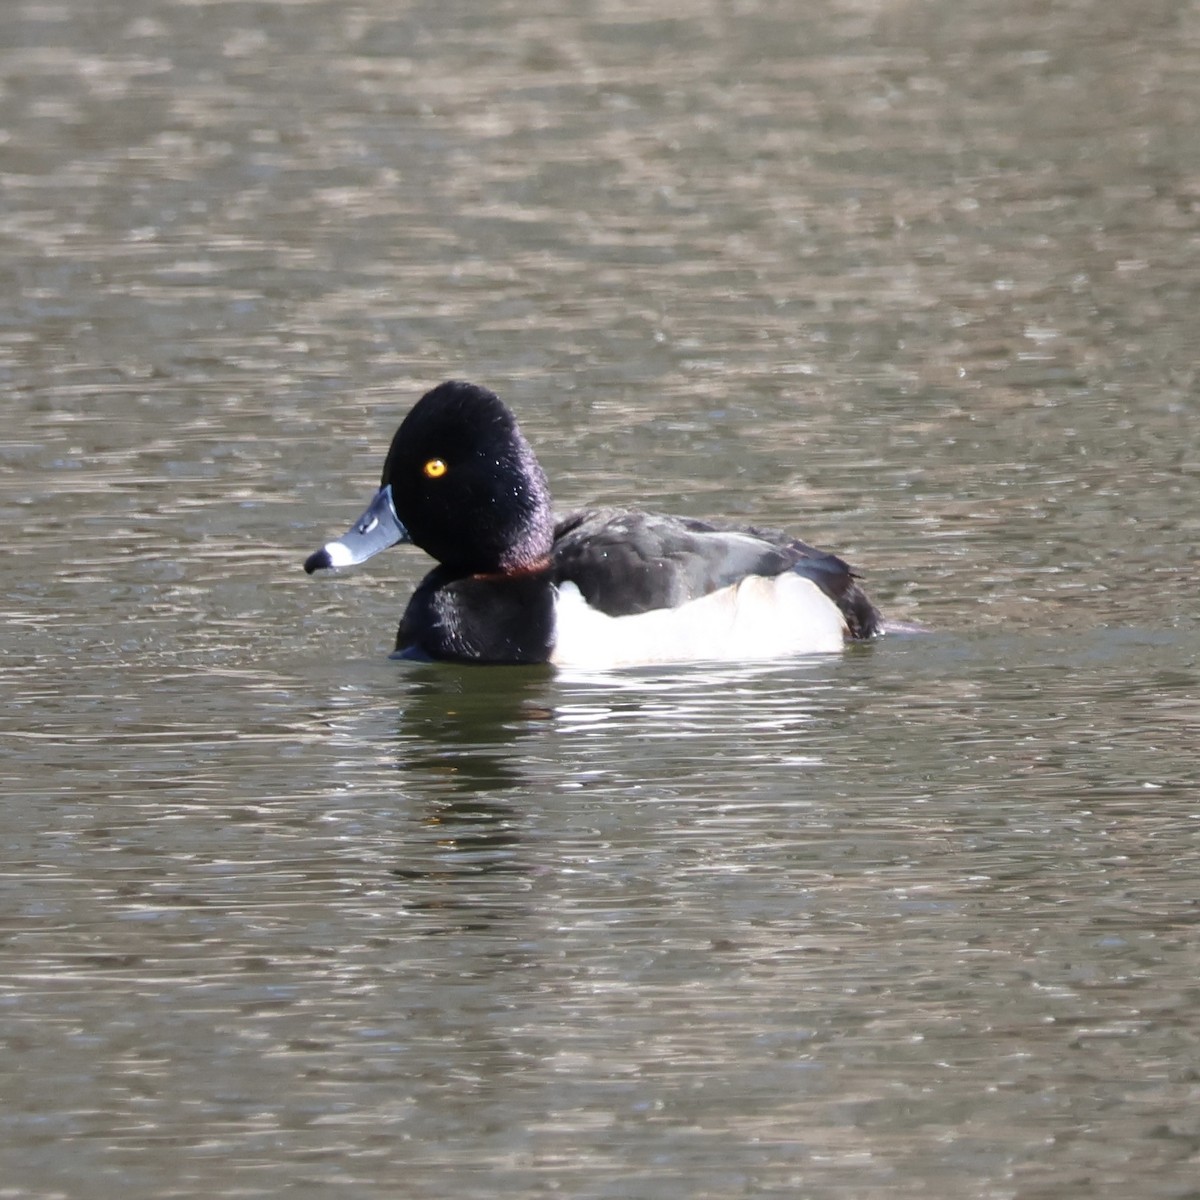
483, 506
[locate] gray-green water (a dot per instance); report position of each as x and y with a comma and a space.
282, 916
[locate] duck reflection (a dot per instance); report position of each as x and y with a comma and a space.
461, 724
459, 739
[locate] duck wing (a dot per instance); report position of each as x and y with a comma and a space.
633, 562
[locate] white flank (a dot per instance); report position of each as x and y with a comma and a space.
755, 619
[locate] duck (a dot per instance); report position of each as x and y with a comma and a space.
603, 587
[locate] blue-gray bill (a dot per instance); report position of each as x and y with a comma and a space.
377, 529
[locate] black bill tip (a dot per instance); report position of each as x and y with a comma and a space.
319, 560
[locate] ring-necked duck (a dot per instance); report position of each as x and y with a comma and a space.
603, 587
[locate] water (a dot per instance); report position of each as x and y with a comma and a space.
281, 914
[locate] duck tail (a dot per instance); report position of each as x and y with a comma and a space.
840, 584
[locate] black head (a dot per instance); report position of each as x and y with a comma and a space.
466, 485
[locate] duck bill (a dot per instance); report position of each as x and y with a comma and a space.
377, 529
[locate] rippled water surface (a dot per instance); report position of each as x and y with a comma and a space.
283, 916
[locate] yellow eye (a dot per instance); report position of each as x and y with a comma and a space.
434, 468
